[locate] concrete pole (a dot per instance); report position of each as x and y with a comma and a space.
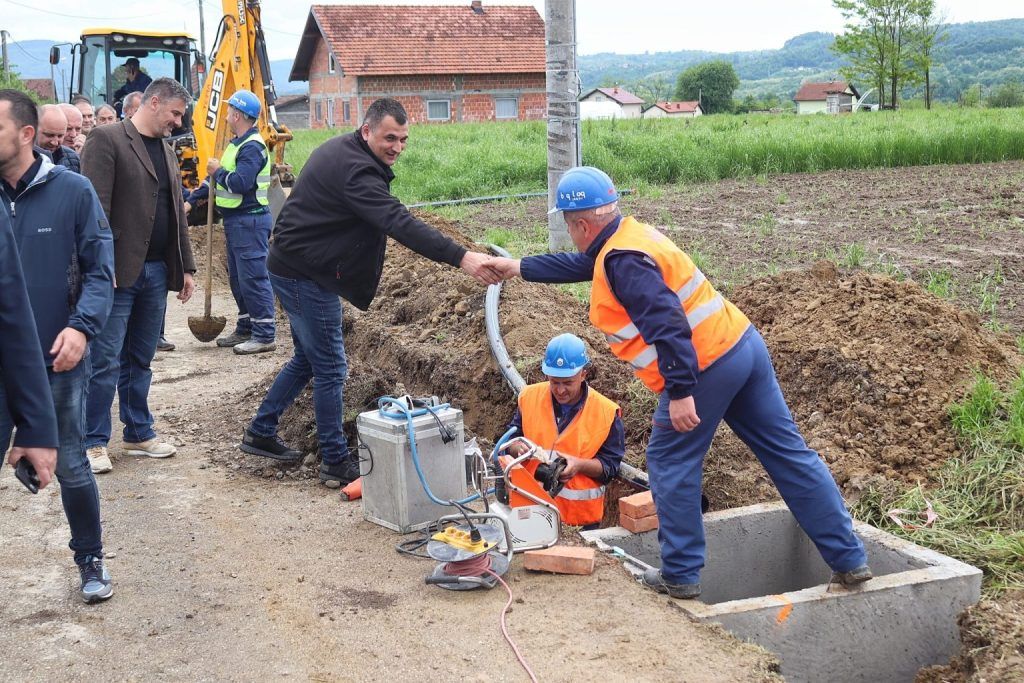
563, 108
202, 36
7, 64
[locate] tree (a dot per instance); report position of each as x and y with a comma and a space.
930, 30
11, 79
1010, 94
971, 97
711, 83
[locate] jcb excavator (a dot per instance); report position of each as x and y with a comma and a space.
239, 61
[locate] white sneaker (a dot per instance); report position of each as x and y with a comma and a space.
99, 459
151, 448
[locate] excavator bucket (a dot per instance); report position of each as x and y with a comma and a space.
277, 194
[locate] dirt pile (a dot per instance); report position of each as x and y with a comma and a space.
992, 633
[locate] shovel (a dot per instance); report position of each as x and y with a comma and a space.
207, 328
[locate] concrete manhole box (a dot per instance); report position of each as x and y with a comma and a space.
765, 582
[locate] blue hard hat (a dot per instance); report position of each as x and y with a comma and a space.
565, 356
245, 102
582, 188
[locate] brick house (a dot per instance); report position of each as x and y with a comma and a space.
443, 63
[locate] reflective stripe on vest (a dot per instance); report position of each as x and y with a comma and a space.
232, 200
581, 500
715, 323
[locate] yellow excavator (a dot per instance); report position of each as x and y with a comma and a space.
239, 61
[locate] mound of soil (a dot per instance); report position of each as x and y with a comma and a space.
868, 366
992, 633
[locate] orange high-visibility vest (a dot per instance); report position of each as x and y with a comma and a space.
581, 501
715, 323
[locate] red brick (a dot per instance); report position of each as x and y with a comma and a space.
640, 525
637, 505
560, 559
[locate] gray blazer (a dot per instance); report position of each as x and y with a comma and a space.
116, 161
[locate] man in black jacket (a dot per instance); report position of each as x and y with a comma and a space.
329, 242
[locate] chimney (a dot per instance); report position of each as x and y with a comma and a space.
477, 6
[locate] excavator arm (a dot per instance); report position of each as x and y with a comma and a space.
239, 62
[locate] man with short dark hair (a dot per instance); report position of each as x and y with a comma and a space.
136, 176
135, 79
329, 242
105, 115
66, 251
131, 104
52, 126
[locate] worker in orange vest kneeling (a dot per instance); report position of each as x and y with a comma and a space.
567, 417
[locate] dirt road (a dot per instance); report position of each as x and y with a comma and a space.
223, 575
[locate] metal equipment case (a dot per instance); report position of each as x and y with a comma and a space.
392, 493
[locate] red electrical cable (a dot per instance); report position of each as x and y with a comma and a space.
478, 566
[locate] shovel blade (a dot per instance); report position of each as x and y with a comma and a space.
206, 328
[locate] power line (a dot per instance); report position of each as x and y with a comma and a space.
26, 52
80, 16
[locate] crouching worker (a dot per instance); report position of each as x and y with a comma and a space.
566, 416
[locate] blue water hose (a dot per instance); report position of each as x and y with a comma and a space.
408, 414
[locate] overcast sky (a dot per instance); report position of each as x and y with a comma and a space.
624, 26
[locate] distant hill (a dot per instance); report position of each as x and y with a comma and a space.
989, 53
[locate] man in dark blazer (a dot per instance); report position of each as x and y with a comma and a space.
136, 177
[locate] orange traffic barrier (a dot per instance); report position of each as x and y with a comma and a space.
353, 491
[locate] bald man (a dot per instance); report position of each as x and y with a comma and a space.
105, 115
74, 118
88, 114
52, 127
131, 104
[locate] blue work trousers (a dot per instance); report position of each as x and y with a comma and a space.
742, 389
248, 237
121, 356
78, 492
318, 354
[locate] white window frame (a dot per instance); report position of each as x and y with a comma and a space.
515, 107
330, 113
448, 107
346, 111
332, 65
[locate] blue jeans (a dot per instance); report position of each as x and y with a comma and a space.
742, 389
247, 237
121, 357
78, 491
319, 354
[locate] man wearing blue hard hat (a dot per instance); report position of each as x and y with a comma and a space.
242, 175
694, 348
571, 420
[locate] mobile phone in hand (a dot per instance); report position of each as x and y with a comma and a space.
26, 474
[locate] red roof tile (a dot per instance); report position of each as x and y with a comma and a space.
814, 92
40, 86
678, 107
371, 40
620, 95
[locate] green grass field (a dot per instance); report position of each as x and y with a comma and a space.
475, 159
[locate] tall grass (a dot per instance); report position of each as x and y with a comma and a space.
979, 496
474, 159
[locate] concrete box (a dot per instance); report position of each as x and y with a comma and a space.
765, 582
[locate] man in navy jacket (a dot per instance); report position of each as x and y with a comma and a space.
67, 255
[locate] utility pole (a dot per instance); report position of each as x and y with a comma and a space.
7, 64
563, 109
202, 34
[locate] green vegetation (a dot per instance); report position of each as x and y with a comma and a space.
854, 254
978, 496
940, 283
713, 83
471, 160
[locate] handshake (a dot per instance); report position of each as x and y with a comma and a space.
489, 270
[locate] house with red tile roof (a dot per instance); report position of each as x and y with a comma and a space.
471, 62
829, 97
629, 106
680, 110
42, 87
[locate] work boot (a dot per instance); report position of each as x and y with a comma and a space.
268, 447
233, 339
164, 345
96, 585
681, 591
253, 346
99, 459
151, 448
339, 474
852, 577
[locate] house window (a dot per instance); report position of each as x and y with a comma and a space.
346, 111
330, 113
319, 111
506, 108
332, 66
439, 110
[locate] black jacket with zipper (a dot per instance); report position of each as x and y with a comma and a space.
334, 227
